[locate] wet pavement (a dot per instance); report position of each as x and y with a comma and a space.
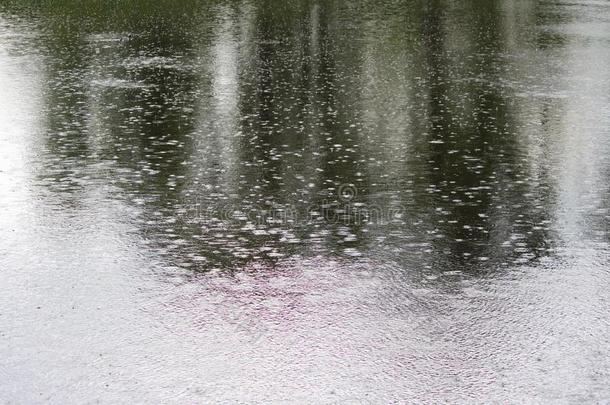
304, 202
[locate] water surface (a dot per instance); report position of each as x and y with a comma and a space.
307, 201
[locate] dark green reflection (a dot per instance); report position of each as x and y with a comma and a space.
254, 130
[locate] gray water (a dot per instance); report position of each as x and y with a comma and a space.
304, 202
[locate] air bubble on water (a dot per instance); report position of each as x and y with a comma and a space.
352, 252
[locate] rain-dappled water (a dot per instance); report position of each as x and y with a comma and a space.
306, 201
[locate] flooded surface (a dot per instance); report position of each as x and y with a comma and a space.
324, 202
